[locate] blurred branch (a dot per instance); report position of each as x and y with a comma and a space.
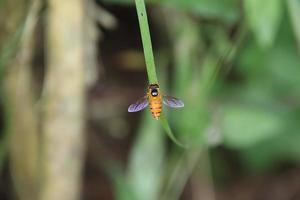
191, 164
93, 14
202, 178
23, 138
64, 101
106, 19
228, 55
183, 165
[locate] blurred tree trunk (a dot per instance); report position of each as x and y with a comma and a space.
22, 123
90, 43
63, 101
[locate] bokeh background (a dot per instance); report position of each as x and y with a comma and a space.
69, 70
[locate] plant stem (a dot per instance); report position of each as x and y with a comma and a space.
149, 58
146, 40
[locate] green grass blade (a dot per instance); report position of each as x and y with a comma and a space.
146, 40
165, 125
149, 58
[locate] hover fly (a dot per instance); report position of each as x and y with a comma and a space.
155, 99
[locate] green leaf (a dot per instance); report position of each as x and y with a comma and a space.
284, 147
281, 148
264, 18
245, 126
275, 70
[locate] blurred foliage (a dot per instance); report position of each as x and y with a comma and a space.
264, 18
146, 160
262, 114
294, 11
236, 65
243, 70
216, 9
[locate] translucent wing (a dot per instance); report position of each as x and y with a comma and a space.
172, 102
139, 105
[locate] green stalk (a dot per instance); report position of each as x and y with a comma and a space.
165, 125
149, 59
146, 40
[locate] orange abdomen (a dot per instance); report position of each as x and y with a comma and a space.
155, 106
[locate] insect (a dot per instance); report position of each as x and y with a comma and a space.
154, 98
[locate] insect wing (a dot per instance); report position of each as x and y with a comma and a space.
139, 105
172, 102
